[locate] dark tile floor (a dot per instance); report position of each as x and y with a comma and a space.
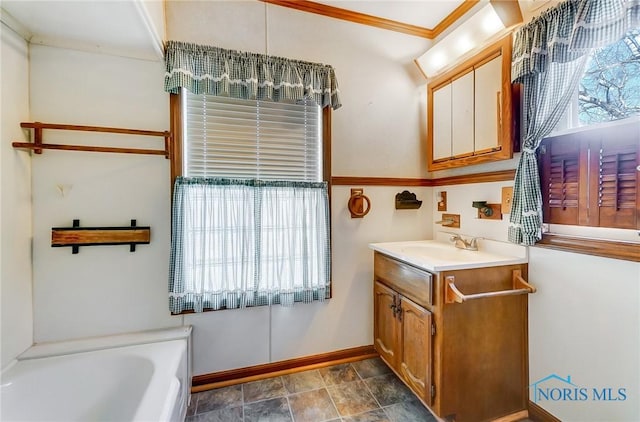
363, 391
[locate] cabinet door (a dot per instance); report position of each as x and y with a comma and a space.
415, 363
488, 107
442, 122
465, 124
386, 326
462, 115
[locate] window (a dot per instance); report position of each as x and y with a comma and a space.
250, 204
610, 86
589, 176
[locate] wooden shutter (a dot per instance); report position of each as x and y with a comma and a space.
560, 180
592, 177
618, 183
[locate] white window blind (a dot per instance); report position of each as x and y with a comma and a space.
251, 139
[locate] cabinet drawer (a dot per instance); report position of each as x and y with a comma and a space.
403, 278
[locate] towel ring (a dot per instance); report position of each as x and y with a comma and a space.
355, 205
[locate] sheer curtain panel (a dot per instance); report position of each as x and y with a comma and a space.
239, 243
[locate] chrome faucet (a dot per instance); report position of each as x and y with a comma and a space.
462, 243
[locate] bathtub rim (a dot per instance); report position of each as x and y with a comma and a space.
87, 344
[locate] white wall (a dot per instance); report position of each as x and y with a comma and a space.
15, 200
102, 289
459, 199
377, 132
584, 321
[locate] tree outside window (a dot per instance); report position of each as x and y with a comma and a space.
610, 88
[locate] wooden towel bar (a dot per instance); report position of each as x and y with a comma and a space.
37, 146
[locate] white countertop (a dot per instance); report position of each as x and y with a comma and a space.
439, 255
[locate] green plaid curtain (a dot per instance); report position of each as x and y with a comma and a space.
239, 243
549, 57
212, 70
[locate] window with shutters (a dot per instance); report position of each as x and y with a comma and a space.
589, 166
592, 177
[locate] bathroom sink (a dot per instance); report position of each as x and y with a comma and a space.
433, 255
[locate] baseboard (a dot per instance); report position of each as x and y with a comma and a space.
267, 370
538, 414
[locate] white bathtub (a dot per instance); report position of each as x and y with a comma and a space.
133, 377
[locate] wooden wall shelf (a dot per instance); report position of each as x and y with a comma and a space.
77, 236
38, 145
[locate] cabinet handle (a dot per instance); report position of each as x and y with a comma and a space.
454, 295
499, 114
413, 380
384, 349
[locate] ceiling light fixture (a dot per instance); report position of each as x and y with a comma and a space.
472, 33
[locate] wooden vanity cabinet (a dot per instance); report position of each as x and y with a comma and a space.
403, 324
472, 111
466, 361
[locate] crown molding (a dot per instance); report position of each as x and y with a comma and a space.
375, 21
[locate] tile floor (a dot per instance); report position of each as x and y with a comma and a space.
363, 391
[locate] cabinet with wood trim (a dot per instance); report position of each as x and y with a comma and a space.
472, 111
463, 354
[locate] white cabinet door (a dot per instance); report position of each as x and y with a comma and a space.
488, 92
442, 122
462, 115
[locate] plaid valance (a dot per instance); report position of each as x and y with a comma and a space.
212, 70
569, 31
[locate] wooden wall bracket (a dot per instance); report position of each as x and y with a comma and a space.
37, 146
77, 236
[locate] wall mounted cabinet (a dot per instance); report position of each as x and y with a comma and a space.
471, 111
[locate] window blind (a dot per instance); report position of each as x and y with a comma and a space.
251, 139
